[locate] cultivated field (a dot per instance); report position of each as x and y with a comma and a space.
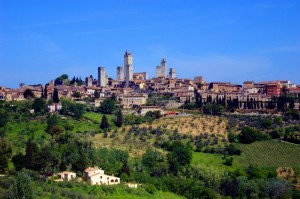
187, 127
193, 125
270, 154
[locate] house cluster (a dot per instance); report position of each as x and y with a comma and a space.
93, 175
132, 89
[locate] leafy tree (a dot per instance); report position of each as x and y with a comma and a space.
104, 122
249, 135
55, 96
119, 120
107, 106
22, 187
28, 94
207, 109
39, 105
19, 161
72, 108
64, 76
180, 156
5, 154
151, 159
76, 94
3, 118
52, 120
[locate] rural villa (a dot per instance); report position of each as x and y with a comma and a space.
66, 175
96, 176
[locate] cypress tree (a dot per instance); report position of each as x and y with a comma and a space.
104, 123
119, 120
45, 92
55, 96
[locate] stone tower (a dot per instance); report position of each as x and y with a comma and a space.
128, 67
120, 73
101, 77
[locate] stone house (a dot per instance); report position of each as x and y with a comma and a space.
96, 176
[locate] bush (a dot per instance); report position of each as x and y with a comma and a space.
228, 161
249, 135
150, 188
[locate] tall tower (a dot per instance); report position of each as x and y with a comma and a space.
163, 67
158, 71
101, 77
172, 73
120, 73
128, 72
89, 81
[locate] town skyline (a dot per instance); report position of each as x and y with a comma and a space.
223, 41
95, 74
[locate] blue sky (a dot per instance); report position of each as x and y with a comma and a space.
222, 40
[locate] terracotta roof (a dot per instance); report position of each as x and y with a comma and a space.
90, 169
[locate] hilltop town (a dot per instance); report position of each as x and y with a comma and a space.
136, 137
133, 89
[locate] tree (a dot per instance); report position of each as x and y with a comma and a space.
292, 104
96, 94
3, 118
107, 106
22, 187
52, 120
28, 94
72, 108
46, 92
180, 156
249, 135
55, 96
104, 123
119, 120
39, 105
19, 161
5, 154
76, 94
151, 158
30, 155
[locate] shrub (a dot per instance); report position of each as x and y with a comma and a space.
228, 161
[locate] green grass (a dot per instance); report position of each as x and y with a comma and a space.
270, 154
215, 161
97, 117
109, 192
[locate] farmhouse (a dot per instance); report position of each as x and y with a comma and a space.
145, 109
66, 175
96, 176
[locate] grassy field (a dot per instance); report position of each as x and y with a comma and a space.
270, 154
215, 161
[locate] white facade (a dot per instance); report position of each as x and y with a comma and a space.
128, 67
96, 176
54, 107
145, 109
66, 175
101, 77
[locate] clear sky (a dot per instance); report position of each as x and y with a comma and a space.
222, 40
